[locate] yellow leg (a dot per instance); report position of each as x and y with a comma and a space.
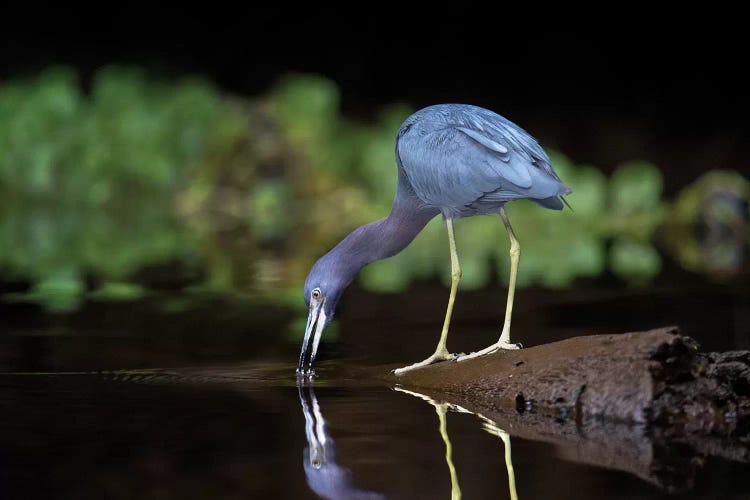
515, 255
441, 352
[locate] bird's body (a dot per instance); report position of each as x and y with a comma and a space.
456, 160
465, 160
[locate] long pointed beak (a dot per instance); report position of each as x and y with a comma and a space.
315, 320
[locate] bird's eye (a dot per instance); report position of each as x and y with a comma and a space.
316, 293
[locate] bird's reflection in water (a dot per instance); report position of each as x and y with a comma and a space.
487, 424
324, 476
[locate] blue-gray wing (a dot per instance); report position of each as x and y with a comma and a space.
467, 161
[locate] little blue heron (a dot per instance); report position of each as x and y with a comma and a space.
455, 159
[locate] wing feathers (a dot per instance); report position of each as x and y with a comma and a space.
456, 156
484, 140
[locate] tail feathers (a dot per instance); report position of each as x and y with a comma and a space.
553, 203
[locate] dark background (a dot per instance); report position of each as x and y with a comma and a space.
602, 94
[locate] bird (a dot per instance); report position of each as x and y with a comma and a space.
458, 160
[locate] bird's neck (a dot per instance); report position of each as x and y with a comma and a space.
383, 238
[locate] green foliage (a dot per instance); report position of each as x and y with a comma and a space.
636, 186
636, 207
141, 172
61, 291
267, 209
635, 261
132, 135
716, 205
86, 181
119, 292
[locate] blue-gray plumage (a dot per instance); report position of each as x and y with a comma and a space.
467, 160
456, 160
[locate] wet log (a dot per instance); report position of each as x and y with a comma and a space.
657, 378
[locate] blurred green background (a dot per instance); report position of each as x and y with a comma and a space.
141, 184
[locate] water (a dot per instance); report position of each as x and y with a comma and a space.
206, 404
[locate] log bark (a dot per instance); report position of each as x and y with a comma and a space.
655, 378
649, 403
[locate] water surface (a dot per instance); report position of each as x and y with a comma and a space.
203, 403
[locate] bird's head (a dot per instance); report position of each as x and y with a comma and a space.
323, 288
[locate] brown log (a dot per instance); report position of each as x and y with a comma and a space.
649, 403
656, 377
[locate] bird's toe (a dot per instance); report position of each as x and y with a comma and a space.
506, 346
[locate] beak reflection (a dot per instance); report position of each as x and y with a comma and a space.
324, 475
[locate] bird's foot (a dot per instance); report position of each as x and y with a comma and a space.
499, 346
435, 358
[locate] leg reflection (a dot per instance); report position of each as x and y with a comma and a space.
490, 426
442, 409
487, 424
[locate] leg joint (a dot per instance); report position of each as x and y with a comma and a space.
515, 248
456, 274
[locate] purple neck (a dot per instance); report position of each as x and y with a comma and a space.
381, 239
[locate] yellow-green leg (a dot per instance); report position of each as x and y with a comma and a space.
515, 255
441, 352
